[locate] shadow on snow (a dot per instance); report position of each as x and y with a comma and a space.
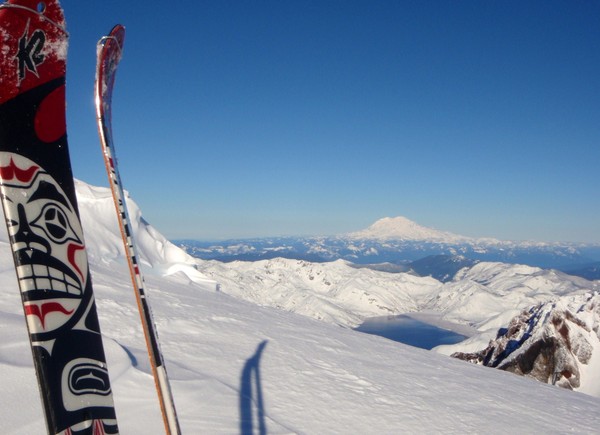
251, 399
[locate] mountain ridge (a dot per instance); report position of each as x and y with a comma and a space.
399, 240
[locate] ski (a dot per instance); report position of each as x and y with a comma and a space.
109, 54
37, 192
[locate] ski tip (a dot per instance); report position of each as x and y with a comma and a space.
116, 35
117, 30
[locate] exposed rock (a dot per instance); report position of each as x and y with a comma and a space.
548, 342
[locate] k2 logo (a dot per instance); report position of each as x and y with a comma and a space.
30, 52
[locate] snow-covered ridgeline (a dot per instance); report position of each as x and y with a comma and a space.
486, 295
333, 292
104, 243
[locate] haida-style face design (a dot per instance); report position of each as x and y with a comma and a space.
47, 242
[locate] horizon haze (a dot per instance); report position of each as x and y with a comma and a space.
399, 228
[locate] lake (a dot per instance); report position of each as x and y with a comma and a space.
407, 330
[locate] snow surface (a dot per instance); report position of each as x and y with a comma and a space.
485, 296
237, 367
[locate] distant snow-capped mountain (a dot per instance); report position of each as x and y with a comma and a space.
398, 241
402, 228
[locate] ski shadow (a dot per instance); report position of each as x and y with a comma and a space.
251, 398
132, 358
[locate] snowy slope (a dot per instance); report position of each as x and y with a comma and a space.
488, 295
334, 292
235, 365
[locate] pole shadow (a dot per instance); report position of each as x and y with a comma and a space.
251, 398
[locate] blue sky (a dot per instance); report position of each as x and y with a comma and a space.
256, 118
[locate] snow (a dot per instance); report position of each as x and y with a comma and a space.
401, 228
485, 296
591, 372
236, 366
334, 292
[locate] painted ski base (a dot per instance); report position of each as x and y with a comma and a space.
42, 218
109, 54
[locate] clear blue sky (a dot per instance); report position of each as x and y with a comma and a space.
255, 118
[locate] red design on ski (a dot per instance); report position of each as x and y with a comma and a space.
72, 250
12, 171
46, 308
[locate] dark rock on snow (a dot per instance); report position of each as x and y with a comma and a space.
549, 342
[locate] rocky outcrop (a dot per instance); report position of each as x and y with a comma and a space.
549, 342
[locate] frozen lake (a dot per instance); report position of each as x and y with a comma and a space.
408, 330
